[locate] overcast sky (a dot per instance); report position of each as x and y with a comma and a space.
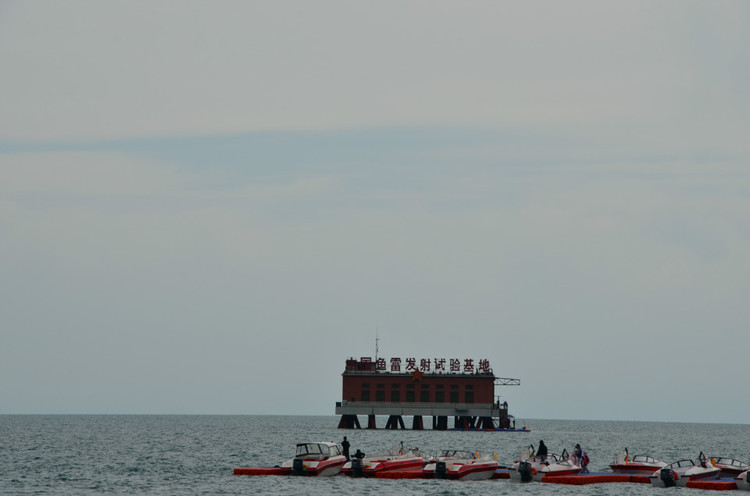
207, 207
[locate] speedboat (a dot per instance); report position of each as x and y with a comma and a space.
461, 465
679, 473
321, 459
729, 466
637, 464
394, 459
529, 467
742, 481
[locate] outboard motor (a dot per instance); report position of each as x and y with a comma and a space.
440, 470
357, 467
298, 467
667, 477
524, 468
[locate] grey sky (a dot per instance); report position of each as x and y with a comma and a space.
208, 207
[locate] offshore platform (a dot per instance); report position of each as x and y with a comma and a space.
429, 387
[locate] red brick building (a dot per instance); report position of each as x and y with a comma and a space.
440, 388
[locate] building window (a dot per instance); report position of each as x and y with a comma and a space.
396, 396
439, 386
365, 384
454, 386
469, 397
410, 386
380, 396
410, 396
395, 386
469, 386
440, 396
381, 386
454, 396
365, 395
425, 397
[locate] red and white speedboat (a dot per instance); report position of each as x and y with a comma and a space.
529, 467
729, 466
320, 459
637, 464
462, 465
394, 459
742, 481
679, 473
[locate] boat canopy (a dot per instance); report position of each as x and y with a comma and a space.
682, 463
729, 461
643, 459
325, 449
458, 454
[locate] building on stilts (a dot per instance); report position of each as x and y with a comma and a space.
445, 389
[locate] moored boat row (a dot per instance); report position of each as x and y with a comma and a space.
323, 459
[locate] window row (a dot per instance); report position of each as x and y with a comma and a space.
425, 397
412, 386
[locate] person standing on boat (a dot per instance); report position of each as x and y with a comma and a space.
542, 451
585, 463
345, 445
577, 454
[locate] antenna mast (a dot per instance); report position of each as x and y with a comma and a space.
377, 339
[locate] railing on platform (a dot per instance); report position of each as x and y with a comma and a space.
507, 381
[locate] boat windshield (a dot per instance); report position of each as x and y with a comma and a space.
682, 463
550, 458
458, 454
643, 459
312, 449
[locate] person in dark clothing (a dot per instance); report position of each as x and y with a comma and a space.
581, 458
345, 446
542, 451
359, 455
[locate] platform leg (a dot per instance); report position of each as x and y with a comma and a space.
442, 423
347, 421
417, 423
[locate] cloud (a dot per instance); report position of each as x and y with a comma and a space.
90, 71
544, 184
86, 173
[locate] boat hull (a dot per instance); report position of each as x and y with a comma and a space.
742, 481
315, 468
463, 471
681, 479
634, 468
540, 471
372, 467
469, 472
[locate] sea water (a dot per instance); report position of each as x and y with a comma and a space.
185, 455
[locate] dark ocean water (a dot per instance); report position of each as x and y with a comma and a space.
184, 455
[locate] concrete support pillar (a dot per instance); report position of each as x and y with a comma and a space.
417, 423
394, 422
442, 423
